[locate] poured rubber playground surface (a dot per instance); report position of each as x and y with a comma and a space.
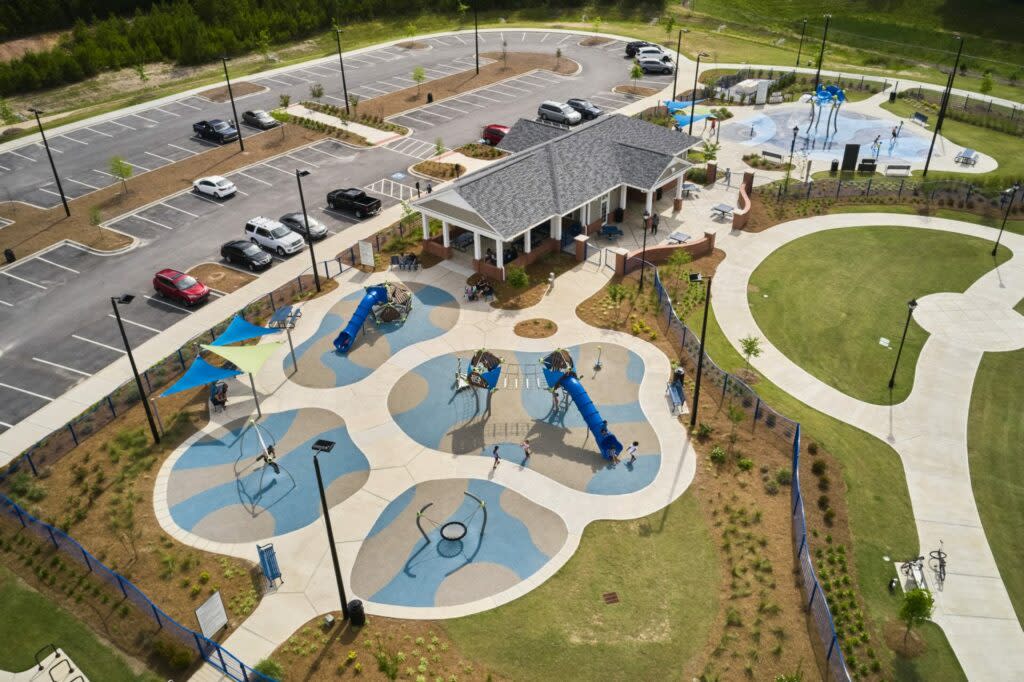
427, 406
220, 491
454, 541
434, 312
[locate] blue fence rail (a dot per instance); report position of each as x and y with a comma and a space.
787, 433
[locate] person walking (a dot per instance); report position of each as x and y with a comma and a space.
631, 451
430, 187
497, 458
525, 445
655, 221
728, 177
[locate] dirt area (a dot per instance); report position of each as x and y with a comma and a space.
412, 649
238, 89
412, 45
508, 297
220, 277
535, 328
906, 645
594, 41
35, 229
637, 90
12, 49
481, 151
456, 84
439, 170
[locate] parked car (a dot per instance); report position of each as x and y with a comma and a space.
215, 130
587, 110
259, 119
180, 287
215, 186
656, 66
246, 254
355, 200
558, 112
273, 236
651, 52
632, 47
495, 133
296, 223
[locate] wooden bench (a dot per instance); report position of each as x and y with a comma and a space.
920, 119
777, 158
968, 157
897, 170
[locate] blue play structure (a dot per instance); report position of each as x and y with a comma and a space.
559, 371
825, 95
376, 295
682, 119
483, 371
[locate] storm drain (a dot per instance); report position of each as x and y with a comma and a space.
610, 597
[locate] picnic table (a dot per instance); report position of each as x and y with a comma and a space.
690, 187
968, 157
611, 231
678, 238
284, 317
722, 210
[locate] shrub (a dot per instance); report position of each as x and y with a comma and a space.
771, 487
830, 515
812, 448
819, 467
517, 277
704, 431
824, 483
733, 619
718, 455
176, 657
783, 476
270, 668
745, 464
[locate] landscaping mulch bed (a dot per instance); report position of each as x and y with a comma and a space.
535, 328
220, 277
238, 89
637, 90
412, 45
439, 170
507, 297
481, 151
594, 41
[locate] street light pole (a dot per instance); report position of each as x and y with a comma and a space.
675, 71
126, 299
476, 40
53, 166
700, 357
821, 55
945, 103
1013, 195
341, 62
800, 49
792, 148
299, 174
234, 112
693, 95
327, 446
911, 304
643, 252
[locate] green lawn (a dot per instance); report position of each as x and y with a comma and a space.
881, 519
29, 621
994, 436
666, 573
825, 300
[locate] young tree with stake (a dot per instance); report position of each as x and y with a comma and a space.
122, 170
419, 75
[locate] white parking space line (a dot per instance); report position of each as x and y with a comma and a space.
118, 123
295, 158
360, 62
189, 213
506, 84
68, 137
137, 324
274, 80
244, 194
196, 138
57, 265
320, 70
477, 94
168, 112
279, 170
524, 38
418, 120
79, 182
448, 106
52, 148
64, 367
336, 99
546, 36
98, 343
469, 104
148, 120
197, 195
3, 302
162, 158
565, 39
27, 158
22, 279
459, 38
142, 217
187, 105
99, 132
43, 189
10, 426
144, 170
443, 42
26, 392
189, 151
166, 303
269, 184
320, 151
367, 87
498, 91
102, 173
401, 78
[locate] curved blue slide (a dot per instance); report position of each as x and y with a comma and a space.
375, 295
609, 444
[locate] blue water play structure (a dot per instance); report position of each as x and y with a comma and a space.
559, 371
825, 95
387, 302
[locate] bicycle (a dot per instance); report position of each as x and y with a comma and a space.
937, 562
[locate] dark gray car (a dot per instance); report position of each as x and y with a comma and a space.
295, 223
259, 119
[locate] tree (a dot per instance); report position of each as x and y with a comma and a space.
986, 83
710, 150
122, 170
670, 23
751, 348
353, 100
140, 70
284, 100
916, 608
438, 147
597, 24
419, 75
558, 57
316, 91
636, 73
504, 54
262, 41
410, 29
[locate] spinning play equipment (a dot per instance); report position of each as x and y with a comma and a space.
559, 371
388, 302
483, 371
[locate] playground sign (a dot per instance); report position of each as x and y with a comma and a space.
366, 253
211, 615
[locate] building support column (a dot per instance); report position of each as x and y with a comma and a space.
677, 203
528, 240
622, 197
445, 233
556, 227
500, 255
649, 203
476, 246
426, 225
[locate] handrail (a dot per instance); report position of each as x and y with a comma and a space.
42, 649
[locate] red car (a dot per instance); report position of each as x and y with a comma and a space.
181, 287
494, 133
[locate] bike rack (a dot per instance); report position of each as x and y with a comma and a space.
53, 647
62, 661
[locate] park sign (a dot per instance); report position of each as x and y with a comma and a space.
366, 254
211, 615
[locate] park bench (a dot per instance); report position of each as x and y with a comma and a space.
920, 119
676, 396
611, 231
897, 170
968, 157
765, 154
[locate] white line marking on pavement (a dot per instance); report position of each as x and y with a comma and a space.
168, 112
22, 390
52, 148
166, 303
458, 38
102, 173
430, 112
142, 217
197, 195
314, 149
21, 279
401, 78
162, 158
58, 265
524, 38
4, 168
336, 99
148, 120
468, 104
279, 170
322, 69
383, 92
10, 426
244, 194
181, 210
3, 302
27, 158
97, 343
64, 367
295, 158
188, 151
118, 123
137, 324
546, 36
269, 184
79, 182
187, 105
68, 137
565, 39
133, 165
477, 94
418, 120
43, 189
448, 106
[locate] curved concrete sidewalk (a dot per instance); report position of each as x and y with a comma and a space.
928, 429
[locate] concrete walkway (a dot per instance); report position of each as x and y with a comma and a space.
928, 430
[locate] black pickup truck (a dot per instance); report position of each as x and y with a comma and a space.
355, 200
215, 130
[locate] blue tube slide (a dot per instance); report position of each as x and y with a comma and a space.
374, 296
609, 444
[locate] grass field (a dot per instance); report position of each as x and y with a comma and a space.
881, 519
665, 571
994, 436
29, 621
826, 299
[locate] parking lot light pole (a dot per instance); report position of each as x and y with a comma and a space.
476, 40
800, 49
341, 62
125, 299
675, 71
911, 304
234, 112
693, 95
942, 108
700, 355
299, 174
643, 252
327, 446
821, 54
1013, 195
53, 166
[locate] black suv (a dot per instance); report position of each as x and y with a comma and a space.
587, 110
632, 47
246, 254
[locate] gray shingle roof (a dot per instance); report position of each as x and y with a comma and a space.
556, 174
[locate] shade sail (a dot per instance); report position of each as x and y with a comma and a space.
246, 358
673, 106
684, 119
240, 330
199, 374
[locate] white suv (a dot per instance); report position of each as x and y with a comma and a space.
273, 236
651, 52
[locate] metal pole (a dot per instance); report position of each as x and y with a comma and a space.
792, 147
643, 252
135, 371
910, 311
700, 357
330, 539
291, 347
234, 112
942, 108
1005, 217
255, 397
821, 55
305, 219
800, 49
675, 71
341, 62
693, 95
53, 166
476, 40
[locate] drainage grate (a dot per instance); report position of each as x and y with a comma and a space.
610, 597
